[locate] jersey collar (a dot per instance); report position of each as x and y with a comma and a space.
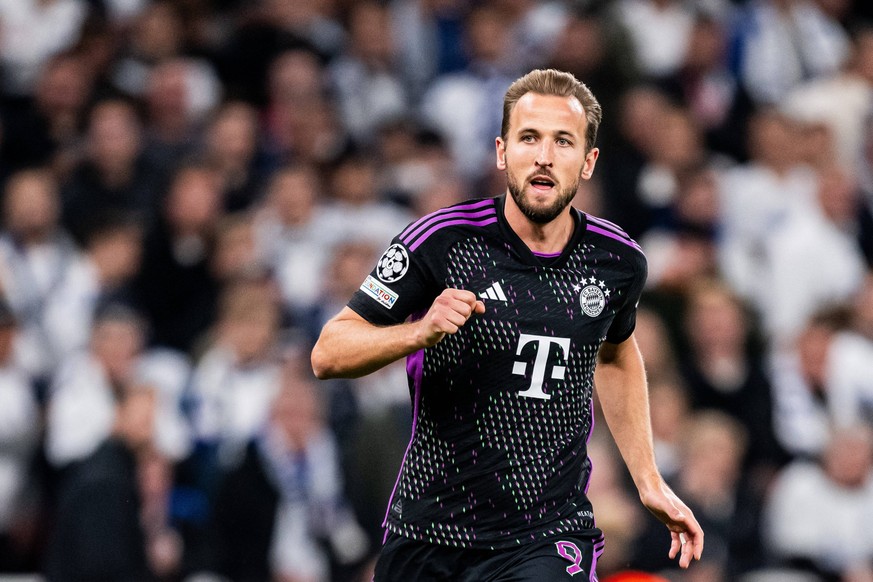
521, 249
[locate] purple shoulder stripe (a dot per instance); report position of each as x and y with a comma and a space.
406, 239
608, 225
433, 216
608, 233
440, 225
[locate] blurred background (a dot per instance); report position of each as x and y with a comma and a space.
190, 188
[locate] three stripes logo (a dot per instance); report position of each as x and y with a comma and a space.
494, 292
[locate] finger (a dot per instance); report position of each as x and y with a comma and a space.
687, 551
480, 307
467, 297
675, 545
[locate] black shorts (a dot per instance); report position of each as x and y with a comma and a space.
563, 558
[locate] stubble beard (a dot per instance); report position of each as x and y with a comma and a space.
545, 214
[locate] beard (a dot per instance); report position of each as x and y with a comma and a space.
544, 214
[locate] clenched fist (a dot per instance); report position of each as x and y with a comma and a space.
448, 313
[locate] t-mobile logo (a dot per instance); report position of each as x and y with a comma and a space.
541, 363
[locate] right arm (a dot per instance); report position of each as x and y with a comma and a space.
350, 346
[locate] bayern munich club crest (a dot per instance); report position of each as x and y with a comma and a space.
393, 264
593, 297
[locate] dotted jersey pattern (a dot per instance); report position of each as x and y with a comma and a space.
522, 473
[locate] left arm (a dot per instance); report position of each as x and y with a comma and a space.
620, 380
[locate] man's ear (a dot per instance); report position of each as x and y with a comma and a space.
500, 146
590, 161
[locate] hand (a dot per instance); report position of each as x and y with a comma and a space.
686, 534
448, 313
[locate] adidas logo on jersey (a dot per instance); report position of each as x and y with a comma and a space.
495, 291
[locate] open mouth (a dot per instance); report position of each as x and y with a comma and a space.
542, 182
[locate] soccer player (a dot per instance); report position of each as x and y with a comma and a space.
503, 307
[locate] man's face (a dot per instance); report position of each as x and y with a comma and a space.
544, 154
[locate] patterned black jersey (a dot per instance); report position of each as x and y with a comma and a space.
503, 408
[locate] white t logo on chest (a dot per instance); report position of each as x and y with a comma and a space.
541, 363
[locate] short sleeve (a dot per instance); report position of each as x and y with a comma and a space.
626, 318
399, 285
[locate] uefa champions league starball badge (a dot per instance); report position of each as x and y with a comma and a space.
393, 264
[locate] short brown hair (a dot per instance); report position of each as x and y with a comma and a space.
561, 84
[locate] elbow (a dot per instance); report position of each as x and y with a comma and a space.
322, 367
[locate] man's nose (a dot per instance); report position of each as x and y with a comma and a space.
545, 154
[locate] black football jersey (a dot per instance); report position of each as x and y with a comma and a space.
503, 408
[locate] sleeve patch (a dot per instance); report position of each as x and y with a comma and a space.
379, 291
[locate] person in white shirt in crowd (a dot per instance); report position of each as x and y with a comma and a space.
101, 273
19, 441
238, 376
289, 238
659, 31
369, 90
781, 43
31, 32
843, 102
83, 396
465, 106
685, 249
757, 196
812, 258
284, 514
357, 207
36, 255
818, 514
825, 381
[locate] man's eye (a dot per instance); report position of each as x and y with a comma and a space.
527, 138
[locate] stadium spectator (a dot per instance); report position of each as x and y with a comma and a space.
179, 93
289, 238
97, 534
841, 102
156, 35
177, 288
769, 59
838, 491
233, 150
237, 377
465, 106
824, 382
31, 32
20, 433
716, 101
280, 511
757, 196
684, 249
114, 177
712, 447
429, 36
35, 256
368, 90
812, 258
724, 370
659, 31
636, 136
356, 208
46, 130
89, 384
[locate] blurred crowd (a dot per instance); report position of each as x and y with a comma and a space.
190, 188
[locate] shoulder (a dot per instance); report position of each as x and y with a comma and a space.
441, 228
609, 235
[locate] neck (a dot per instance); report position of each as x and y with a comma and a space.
549, 238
